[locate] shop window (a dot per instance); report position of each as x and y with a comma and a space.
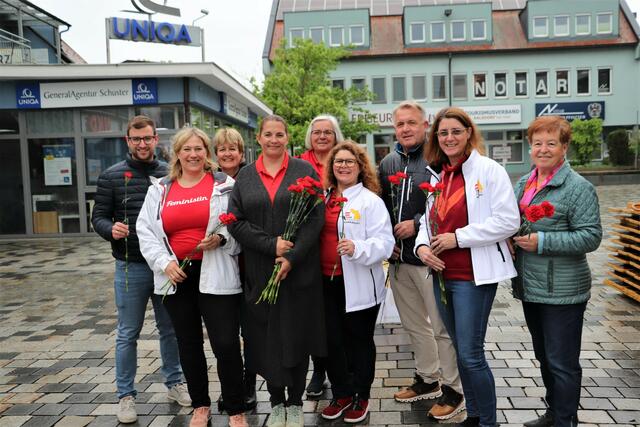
9, 122
479, 85
459, 86
419, 87
437, 32
356, 35
11, 188
604, 23
500, 85
165, 117
439, 87
521, 84
50, 121
479, 29
399, 89
336, 36
457, 31
295, 33
542, 83
316, 35
604, 81
583, 82
583, 25
416, 32
540, 26
102, 120
379, 88
382, 144
562, 83
101, 153
561, 26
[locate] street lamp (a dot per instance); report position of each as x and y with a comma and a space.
204, 13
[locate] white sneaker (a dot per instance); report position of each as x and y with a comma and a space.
127, 410
180, 394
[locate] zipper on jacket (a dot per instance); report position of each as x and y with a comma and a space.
375, 293
406, 167
501, 253
550, 277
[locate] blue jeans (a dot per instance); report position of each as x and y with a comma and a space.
466, 316
558, 351
132, 305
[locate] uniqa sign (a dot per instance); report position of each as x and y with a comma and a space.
150, 31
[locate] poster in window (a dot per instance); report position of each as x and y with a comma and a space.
57, 164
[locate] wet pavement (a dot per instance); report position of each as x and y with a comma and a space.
57, 321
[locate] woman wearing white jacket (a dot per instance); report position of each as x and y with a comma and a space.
356, 238
462, 237
176, 225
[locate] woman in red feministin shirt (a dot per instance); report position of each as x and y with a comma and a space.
179, 214
280, 336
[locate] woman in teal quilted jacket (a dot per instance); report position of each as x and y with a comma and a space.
554, 279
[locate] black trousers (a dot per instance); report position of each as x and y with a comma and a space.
352, 351
298, 375
188, 307
556, 332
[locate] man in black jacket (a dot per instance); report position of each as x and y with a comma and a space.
121, 192
435, 356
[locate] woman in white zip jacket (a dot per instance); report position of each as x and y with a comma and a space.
179, 220
473, 215
356, 238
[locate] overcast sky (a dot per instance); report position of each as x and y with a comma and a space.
234, 32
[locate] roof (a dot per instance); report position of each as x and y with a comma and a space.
207, 72
509, 35
31, 14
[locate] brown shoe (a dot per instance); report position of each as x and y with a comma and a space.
450, 404
419, 390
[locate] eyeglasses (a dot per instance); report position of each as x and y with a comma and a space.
322, 132
138, 139
344, 162
454, 132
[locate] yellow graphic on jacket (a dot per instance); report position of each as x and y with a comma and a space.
352, 215
479, 189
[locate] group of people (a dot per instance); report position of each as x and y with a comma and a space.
443, 214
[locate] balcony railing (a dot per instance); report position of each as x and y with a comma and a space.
14, 49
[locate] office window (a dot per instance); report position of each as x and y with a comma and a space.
356, 35
295, 33
417, 32
561, 26
379, 88
336, 36
316, 35
479, 29
542, 83
521, 84
358, 83
459, 86
439, 87
583, 25
479, 85
437, 31
584, 82
338, 83
500, 85
540, 26
399, 88
604, 23
419, 87
562, 82
457, 31
604, 81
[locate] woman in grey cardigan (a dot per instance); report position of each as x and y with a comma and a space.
554, 280
280, 337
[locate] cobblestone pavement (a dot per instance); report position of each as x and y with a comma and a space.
57, 318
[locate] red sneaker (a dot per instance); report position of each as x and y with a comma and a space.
358, 411
336, 408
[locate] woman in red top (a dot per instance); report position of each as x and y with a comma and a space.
323, 134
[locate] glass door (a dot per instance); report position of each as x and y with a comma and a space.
11, 188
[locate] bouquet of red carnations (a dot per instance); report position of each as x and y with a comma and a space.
306, 194
534, 213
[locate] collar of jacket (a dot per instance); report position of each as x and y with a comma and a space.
558, 179
415, 151
353, 191
137, 164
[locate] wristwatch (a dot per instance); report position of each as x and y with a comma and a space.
223, 240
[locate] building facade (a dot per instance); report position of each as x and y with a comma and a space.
62, 124
505, 62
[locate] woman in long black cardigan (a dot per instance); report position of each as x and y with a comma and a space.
280, 337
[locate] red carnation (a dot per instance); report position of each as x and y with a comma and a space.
439, 186
341, 199
295, 188
402, 175
128, 175
549, 209
534, 213
227, 219
394, 180
425, 186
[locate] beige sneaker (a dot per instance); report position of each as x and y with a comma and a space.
179, 393
127, 410
278, 416
200, 417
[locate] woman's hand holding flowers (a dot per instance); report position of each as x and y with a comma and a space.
443, 242
528, 243
283, 246
210, 242
429, 259
346, 247
175, 273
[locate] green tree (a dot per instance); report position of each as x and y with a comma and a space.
586, 135
298, 89
619, 151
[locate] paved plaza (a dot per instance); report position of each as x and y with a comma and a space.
57, 321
